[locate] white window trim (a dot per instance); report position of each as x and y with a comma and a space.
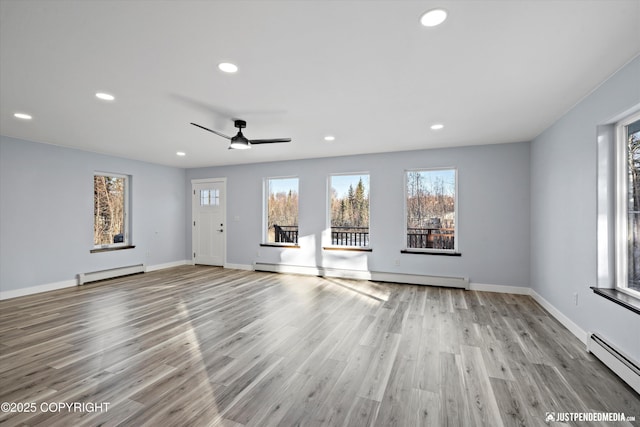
127, 196
328, 223
621, 205
265, 211
456, 240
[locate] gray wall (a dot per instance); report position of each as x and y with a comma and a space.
493, 212
46, 213
563, 212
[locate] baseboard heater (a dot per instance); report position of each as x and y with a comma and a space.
622, 365
94, 276
377, 276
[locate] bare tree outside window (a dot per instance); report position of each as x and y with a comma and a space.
109, 201
431, 209
282, 210
633, 205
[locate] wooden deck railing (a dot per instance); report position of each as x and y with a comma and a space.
350, 236
340, 236
430, 238
286, 233
417, 238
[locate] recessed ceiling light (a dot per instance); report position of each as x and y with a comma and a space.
105, 96
329, 138
437, 126
228, 67
433, 17
181, 153
22, 116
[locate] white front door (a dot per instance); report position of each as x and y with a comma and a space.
209, 222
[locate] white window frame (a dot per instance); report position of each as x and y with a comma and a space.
328, 224
127, 195
621, 207
456, 238
265, 211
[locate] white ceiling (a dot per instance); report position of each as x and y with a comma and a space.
364, 71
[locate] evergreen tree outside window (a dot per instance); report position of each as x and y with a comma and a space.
349, 210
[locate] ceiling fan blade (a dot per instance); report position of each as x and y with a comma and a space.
269, 141
212, 131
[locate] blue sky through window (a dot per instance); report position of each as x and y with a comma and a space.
283, 185
341, 183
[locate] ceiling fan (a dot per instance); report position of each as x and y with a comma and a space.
239, 141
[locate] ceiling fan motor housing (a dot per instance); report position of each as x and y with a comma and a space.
240, 124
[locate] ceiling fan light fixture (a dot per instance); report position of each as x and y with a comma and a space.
228, 67
239, 142
433, 17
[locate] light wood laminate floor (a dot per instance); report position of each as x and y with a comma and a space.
208, 346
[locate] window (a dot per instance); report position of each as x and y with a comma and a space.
210, 197
349, 210
628, 205
110, 210
430, 205
282, 211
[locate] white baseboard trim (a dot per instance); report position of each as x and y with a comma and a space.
420, 279
560, 317
38, 289
248, 267
168, 265
298, 269
619, 362
74, 282
110, 273
379, 276
503, 289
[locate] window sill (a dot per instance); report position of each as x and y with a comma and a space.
275, 245
115, 248
620, 298
346, 248
409, 251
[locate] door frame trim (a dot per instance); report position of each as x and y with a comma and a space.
222, 180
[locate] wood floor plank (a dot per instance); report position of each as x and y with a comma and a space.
510, 403
207, 346
454, 409
397, 400
424, 408
480, 396
375, 381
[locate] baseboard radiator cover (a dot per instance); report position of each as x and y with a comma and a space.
623, 366
377, 276
94, 276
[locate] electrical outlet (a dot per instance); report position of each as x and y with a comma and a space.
575, 298
257, 254
397, 262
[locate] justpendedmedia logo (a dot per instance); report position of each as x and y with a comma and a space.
563, 417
